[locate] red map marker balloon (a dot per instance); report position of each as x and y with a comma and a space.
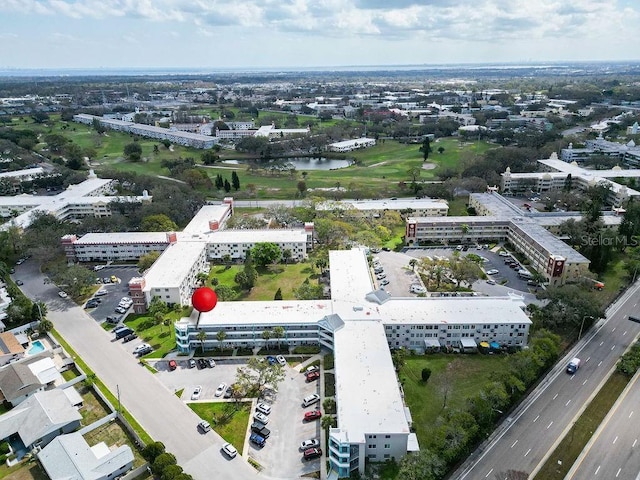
204, 299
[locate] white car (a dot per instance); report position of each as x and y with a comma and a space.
204, 426
196, 393
491, 282
220, 390
62, 294
380, 276
264, 408
281, 360
230, 450
141, 348
261, 417
503, 253
493, 271
311, 443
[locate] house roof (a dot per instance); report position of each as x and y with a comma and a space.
16, 380
9, 344
69, 457
42, 413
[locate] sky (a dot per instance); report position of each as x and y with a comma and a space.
312, 33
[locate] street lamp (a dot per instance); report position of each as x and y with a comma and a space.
582, 324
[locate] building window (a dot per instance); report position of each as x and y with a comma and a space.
387, 445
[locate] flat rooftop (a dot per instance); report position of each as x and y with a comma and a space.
173, 265
350, 275
385, 204
275, 235
367, 392
122, 238
208, 213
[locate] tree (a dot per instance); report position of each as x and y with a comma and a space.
75, 279
278, 333
171, 472
266, 336
286, 255
158, 223
225, 293
412, 263
153, 450
157, 306
398, 357
38, 311
45, 326
220, 337
426, 373
256, 375
162, 461
328, 422
440, 150
425, 465
227, 186
265, 253
201, 336
425, 148
306, 291
235, 181
278, 295
145, 261
133, 152
302, 187
209, 157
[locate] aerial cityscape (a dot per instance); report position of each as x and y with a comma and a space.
327, 240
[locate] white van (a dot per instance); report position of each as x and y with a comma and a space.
310, 400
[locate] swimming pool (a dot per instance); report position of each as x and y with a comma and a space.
36, 347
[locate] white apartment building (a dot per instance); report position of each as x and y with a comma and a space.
188, 139
423, 207
350, 145
105, 247
236, 243
360, 324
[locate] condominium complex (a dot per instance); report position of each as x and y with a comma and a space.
423, 207
360, 324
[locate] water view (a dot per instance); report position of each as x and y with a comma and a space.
303, 163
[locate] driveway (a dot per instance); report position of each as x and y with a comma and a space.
163, 415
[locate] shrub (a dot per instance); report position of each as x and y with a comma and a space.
328, 361
426, 373
152, 451
161, 462
329, 406
4, 448
307, 349
171, 472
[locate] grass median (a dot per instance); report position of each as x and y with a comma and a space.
228, 419
564, 456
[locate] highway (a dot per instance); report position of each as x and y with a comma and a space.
524, 439
163, 415
619, 437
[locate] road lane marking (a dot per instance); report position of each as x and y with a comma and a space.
625, 332
527, 452
588, 358
567, 404
613, 347
630, 414
614, 329
619, 470
584, 382
597, 470
555, 396
549, 425
534, 420
602, 343
514, 444
634, 443
600, 363
615, 440
488, 473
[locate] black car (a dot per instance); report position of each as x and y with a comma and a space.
228, 393
260, 429
202, 363
128, 338
91, 304
144, 351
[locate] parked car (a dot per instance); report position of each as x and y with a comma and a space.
115, 319
229, 450
19, 282
311, 443
380, 276
204, 426
257, 439
417, 289
62, 294
106, 280
121, 310
201, 363
271, 360
98, 267
493, 271
100, 293
384, 281
196, 393
310, 400
114, 279
122, 331
144, 351
264, 408
172, 365
312, 415
130, 337
261, 417
260, 429
220, 390
281, 360
192, 363
229, 392
491, 282
211, 362
502, 253
312, 376
312, 368
91, 304
312, 453
140, 348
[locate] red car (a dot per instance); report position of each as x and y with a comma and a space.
311, 376
312, 453
312, 415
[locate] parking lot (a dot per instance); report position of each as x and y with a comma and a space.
398, 272
280, 457
115, 291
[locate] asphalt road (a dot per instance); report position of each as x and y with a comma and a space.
163, 415
619, 437
530, 433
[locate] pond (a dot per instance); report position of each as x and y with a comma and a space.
303, 163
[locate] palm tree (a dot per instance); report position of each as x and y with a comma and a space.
45, 326
412, 264
220, 336
266, 336
278, 333
201, 336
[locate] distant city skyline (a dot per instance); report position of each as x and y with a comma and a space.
50, 34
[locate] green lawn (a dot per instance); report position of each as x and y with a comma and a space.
160, 337
425, 400
226, 418
285, 277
